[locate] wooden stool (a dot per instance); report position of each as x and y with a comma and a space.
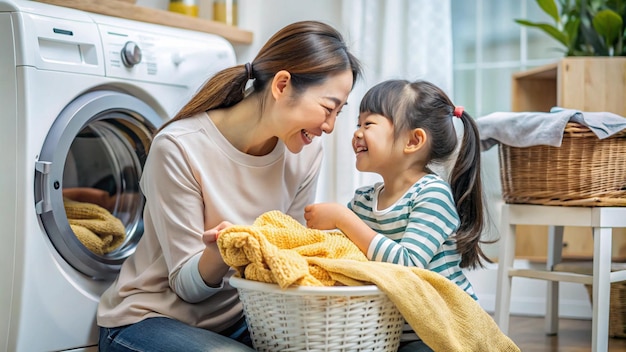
602, 220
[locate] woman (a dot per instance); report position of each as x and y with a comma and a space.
228, 156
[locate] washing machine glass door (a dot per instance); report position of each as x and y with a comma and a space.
87, 180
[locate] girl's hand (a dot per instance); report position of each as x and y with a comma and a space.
330, 216
210, 236
324, 216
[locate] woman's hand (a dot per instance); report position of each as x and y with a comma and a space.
212, 268
210, 236
325, 216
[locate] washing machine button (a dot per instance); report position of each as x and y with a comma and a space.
131, 54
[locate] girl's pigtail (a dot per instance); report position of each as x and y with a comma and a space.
467, 190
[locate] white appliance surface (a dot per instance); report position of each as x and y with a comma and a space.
51, 56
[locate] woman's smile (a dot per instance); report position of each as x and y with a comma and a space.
307, 137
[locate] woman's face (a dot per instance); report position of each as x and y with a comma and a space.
314, 111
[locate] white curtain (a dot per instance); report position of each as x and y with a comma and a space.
407, 39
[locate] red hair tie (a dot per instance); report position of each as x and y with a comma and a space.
458, 111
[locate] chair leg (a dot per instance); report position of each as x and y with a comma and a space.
602, 238
505, 261
555, 251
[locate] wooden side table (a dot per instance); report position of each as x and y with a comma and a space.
602, 220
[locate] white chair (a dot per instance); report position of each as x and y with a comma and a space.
602, 220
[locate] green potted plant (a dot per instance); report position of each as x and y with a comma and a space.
585, 27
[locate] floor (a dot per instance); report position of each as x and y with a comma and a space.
574, 336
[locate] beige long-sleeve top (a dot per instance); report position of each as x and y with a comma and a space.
194, 179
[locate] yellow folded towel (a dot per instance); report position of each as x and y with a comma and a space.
278, 249
275, 248
95, 227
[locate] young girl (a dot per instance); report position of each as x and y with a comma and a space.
414, 217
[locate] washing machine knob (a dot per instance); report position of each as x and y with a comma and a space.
131, 54
177, 58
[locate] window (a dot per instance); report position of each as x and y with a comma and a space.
489, 46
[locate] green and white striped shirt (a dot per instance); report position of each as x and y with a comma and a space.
417, 230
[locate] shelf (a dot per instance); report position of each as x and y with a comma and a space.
535, 89
583, 83
543, 72
128, 10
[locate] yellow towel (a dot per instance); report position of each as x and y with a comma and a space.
95, 227
278, 249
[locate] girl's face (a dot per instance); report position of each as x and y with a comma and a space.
314, 111
373, 143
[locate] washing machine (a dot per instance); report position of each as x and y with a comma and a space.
81, 96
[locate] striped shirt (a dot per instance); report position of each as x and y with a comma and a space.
417, 230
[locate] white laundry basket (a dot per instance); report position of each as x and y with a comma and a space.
305, 318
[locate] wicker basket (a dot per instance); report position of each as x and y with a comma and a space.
583, 171
617, 309
304, 318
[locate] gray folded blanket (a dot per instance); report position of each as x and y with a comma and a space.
526, 129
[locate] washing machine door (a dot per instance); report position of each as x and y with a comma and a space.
87, 180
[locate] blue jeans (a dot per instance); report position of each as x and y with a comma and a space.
414, 346
165, 334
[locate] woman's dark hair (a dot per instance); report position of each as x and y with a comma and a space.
421, 104
310, 51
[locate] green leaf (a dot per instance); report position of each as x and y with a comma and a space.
585, 27
549, 7
594, 6
609, 25
571, 29
590, 42
549, 29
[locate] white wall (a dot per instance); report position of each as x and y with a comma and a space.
264, 18
155, 4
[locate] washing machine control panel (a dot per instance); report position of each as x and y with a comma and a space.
58, 44
118, 48
176, 58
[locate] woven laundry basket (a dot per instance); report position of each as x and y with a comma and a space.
583, 171
305, 318
617, 309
